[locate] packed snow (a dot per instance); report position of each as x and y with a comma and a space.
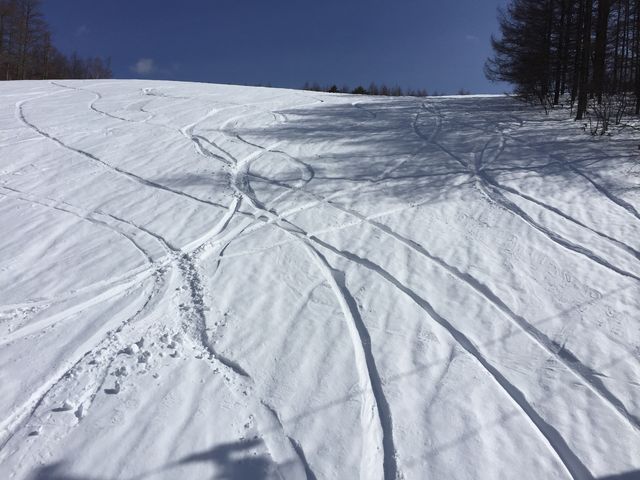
209, 281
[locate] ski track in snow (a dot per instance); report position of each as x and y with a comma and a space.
589, 376
248, 150
562, 354
129, 175
478, 286
495, 195
374, 402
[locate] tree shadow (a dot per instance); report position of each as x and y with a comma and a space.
351, 152
57, 471
236, 461
414, 150
408, 151
241, 460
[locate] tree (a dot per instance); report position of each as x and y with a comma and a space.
520, 56
27, 50
589, 48
7, 18
585, 57
637, 56
600, 49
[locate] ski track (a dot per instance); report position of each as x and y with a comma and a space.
614, 241
368, 112
585, 374
110, 168
85, 216
567, 358
495, 196
626, 206
196, 319
554, 439
284, 448
367, 368
556, 443
26, 412
556, 161
375, 415
92, 105
21, 415
183, 261
300, 452
196, 247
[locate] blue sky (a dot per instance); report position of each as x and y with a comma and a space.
434, 44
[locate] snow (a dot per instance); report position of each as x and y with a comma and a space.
210, 281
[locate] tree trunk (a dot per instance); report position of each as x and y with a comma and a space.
560, 52
583, 89
575, 81
604, 9
637, 55
24, 42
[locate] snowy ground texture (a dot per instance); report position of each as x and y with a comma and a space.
204, 281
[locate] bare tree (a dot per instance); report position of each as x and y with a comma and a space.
589, 48
27, 50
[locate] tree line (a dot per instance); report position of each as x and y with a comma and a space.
27, 51
584, 52
374, 89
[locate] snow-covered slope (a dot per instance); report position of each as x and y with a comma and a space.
205, 281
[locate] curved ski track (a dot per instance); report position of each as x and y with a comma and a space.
376, 417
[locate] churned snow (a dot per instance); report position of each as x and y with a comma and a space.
208, 281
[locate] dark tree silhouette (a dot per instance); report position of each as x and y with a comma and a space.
27, 50
589, 49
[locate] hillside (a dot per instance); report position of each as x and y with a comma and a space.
209, 281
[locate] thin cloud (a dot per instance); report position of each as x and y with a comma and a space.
144, 66
471, 38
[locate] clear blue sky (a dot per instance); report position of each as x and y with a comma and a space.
433, 44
